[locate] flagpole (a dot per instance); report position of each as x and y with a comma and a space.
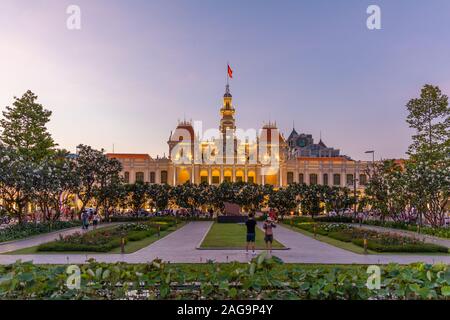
228, 76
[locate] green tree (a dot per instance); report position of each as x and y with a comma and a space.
428, 170
137, 195
385, 189
17, 181
429, 116
53, 181
108, 189
24, 128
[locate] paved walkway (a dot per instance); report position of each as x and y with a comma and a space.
179, 246
427, 238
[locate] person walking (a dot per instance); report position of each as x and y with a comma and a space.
251, 233
268, 233
85, 220
95, 220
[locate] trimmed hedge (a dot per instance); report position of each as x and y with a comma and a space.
441, 232
337, 219
104, 240
422, 247
58, 246
169, 220
379, 242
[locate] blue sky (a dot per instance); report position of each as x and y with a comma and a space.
136, 67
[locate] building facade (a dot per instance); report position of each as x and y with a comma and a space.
230, 155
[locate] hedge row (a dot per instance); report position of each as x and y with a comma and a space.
28, 229
104, 240
379, 242
441, 232
337, 219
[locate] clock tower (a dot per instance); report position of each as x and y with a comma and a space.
227, 111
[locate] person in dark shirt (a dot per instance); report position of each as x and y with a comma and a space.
251, 233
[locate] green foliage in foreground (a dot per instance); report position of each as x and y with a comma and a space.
263, 278
24, 230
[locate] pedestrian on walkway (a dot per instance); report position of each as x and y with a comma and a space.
85, 220
95, 220
251, 233
268, 233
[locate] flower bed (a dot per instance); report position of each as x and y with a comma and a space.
436, 231
104, 240
25, 230
264, 279
376, 241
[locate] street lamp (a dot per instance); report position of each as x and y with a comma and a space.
373, 155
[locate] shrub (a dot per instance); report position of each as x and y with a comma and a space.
28, 229
341, 236
338, 219
103, 240
377, 241
260, 279
421, 247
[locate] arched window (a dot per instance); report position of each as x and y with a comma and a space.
290, 177
152, 177
126, 177
313, 178
362, 179
164, 176
349, 179
301, 178
337, 179
139, 177
325, 179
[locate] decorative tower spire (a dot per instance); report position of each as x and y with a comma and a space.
227, 111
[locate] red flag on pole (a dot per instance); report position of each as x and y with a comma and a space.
230, 72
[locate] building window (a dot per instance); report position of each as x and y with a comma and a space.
362, 179
227, 179
337, 179
239, 179
251, 179
215, 179
301, 178
126, 177
139, 177
204, 179
313, 178
325, 179
164, 176
290, 177
152, 177
349, 179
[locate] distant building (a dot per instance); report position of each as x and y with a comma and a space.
300, 159
302, 145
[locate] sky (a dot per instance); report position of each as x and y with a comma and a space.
137, 67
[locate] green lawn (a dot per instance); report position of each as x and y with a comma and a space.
233, 236
130, 247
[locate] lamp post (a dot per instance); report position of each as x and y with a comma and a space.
373, 156
373, 159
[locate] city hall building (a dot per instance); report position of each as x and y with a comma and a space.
228, 155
